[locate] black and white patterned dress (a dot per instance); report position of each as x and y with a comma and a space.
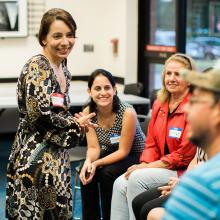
38, 173
104, 136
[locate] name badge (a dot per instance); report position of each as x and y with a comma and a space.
57, 99
175, 132
114, 138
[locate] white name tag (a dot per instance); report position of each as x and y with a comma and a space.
57, 99
175, 132
114, 138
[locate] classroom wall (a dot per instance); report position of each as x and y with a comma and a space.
99, 21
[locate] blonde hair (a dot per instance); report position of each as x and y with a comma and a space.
187, 61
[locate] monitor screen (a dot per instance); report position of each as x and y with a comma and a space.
13, 18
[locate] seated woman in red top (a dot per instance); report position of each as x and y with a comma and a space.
167, 152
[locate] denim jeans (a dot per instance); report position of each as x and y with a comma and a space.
140, 180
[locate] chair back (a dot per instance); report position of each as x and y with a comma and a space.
134, 88
144, 122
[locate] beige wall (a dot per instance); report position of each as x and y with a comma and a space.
98, 22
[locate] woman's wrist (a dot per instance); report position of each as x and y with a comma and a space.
88, 160
99, 163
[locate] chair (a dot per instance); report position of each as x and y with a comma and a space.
77, 157
144, 122
134, 88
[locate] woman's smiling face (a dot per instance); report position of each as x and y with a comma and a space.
59, 41
172, 79
102, 91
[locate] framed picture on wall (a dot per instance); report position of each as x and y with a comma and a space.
13, 18
214, 19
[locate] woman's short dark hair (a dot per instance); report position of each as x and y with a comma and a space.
108, 75
49, 17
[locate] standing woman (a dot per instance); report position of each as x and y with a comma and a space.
38, 174
167, 151
113, 146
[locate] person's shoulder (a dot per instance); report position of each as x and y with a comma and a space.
157, 105
125, 104
126, 108
186, 99
207, 172
37, 63
130, 112
38, 59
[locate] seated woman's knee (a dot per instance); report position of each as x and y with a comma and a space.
136, 177
120, 184
155, 214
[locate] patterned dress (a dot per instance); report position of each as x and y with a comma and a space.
38, 173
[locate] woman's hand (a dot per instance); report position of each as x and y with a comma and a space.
86, 173
93, 168
165, 190
134, 167
84, 120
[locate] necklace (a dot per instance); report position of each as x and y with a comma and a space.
106, 122
59, 76
58, 71
173, 107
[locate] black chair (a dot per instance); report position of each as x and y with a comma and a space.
137, 89
134, 88
144, 122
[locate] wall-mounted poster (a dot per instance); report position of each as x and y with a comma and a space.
13, 18
214, 19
